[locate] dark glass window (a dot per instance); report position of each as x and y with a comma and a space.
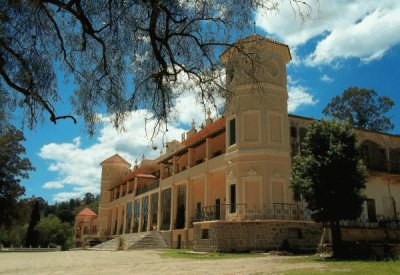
232, 131
293, 131
233, 198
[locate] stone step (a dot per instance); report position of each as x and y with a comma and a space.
144, 240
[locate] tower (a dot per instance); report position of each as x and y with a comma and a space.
113, 169
257, 142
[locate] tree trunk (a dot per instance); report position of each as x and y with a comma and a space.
337, 249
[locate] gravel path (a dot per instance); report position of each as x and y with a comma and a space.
138, 262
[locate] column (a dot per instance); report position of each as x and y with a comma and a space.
206, 180
140, 214
208, 145
149, 221
112, 222
135, 185
174, 165
124, 218
190, 157
188, 212
159, 213
173, 207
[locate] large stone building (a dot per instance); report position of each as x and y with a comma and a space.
226, 186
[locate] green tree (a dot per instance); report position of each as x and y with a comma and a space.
66, 215
88, 198
362, 108
107, 46
330, 176
32, 236
13, 167
52, 231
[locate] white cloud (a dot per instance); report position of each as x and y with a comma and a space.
326, 78
53, 185
298, 96
344, 29
65, 196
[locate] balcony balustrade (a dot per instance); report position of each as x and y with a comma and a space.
282, 211
147, 187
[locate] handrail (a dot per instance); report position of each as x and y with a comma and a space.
283, 211
148, 187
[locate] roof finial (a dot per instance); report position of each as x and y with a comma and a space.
209, 113
193, 124
254, 25
143, 157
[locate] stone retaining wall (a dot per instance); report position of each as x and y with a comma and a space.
370, 234
182, 238
241, 236
167, 235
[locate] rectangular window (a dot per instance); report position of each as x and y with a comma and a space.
233, 198
232, 131
166, 208
371, 210
204, 234
197, 213
293, 131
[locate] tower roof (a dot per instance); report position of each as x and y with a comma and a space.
255, 38
115, 159
87, 212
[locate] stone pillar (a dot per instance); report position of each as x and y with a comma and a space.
112, 221
140, 215
149, 221
206, 180
208, 148
188, 207
162, 171
135, 186
190, 157
173, 207
174, 166
125, 206
159, 212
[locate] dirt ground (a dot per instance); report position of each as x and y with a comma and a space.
137, 262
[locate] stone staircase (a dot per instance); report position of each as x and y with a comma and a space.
153, 240
144, 240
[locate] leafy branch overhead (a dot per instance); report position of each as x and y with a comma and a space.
120, 55
362, 108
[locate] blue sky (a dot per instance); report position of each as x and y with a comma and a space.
343, 44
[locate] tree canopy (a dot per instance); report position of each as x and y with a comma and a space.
120, 55
38, 223
330, 175
13, 167
362, 108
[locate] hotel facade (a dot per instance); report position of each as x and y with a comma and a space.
226, 187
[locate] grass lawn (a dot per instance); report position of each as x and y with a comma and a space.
189, 254
329, 266
343, 266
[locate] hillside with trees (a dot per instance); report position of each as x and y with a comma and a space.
38, 223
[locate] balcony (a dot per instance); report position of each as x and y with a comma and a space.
282, 211
380, 165
147, 188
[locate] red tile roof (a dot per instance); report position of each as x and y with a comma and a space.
206, 132
141, 171
87, 212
